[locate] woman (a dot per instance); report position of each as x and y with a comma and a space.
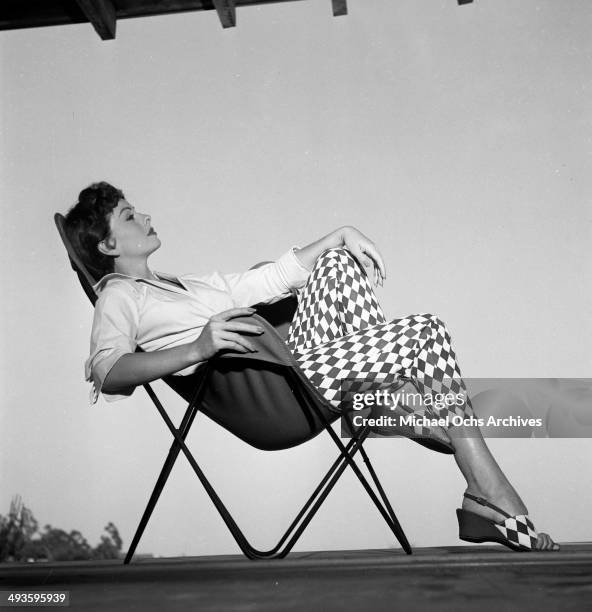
338, 332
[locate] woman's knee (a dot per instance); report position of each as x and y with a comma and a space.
337, 258
434, 321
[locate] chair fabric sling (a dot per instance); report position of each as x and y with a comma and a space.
266, 401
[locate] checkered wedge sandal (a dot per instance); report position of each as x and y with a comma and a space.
516, 532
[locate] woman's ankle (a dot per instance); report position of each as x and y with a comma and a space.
464, 432
504, 496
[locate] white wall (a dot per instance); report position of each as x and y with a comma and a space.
457, 138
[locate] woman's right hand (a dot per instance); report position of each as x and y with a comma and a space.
222, 333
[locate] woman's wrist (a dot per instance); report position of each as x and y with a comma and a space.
341, 233
194, 353
310, 253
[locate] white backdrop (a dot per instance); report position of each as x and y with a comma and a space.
457, 138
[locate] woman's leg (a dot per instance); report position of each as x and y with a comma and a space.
337, 300
485, 479
339, 332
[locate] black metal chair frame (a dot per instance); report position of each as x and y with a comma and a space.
303, 518
346, 457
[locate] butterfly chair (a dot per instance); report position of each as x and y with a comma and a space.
266, 401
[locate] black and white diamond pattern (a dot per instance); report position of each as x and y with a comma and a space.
519, 530
339, 333
337, 300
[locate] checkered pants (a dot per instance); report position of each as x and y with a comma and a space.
339, 336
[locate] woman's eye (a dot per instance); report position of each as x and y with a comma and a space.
130, 217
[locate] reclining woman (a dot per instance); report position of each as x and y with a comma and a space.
339, 332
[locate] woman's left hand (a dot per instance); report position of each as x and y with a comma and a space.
366, 253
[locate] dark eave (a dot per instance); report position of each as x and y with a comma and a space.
104, 14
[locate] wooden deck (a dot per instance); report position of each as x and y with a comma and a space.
480, 578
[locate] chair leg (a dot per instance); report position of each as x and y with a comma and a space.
319, 489
336, 476
311, 506
374, 476
184, 427
222, 510
344, 459
387, 513
378, 485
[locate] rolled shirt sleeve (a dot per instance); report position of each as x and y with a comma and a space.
114, 332
269, 282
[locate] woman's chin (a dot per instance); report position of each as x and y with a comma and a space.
156, 246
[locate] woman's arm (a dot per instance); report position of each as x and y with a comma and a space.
133, 369
361, 247
220, 333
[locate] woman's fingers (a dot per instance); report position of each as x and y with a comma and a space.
361, 246
235, 341
362, 259
229, 335
378, 276
371, 266
237, 347
233, 313
375, 255
246, 328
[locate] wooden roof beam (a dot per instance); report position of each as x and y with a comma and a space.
339, 7
101, 13
226, 10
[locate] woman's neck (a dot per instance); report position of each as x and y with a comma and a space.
137, 269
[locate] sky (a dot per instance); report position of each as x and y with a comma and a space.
457, 138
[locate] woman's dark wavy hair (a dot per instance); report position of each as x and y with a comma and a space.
87, 223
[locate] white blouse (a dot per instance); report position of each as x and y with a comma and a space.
155, 315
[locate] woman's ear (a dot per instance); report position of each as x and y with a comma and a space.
108, 247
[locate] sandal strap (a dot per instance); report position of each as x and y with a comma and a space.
484, 502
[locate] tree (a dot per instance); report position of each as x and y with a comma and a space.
110, 545
16, 529
20, 539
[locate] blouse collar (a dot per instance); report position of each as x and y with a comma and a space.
100, 285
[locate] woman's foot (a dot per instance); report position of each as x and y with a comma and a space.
486, 480
505, 498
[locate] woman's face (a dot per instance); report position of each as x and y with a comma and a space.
132, 232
